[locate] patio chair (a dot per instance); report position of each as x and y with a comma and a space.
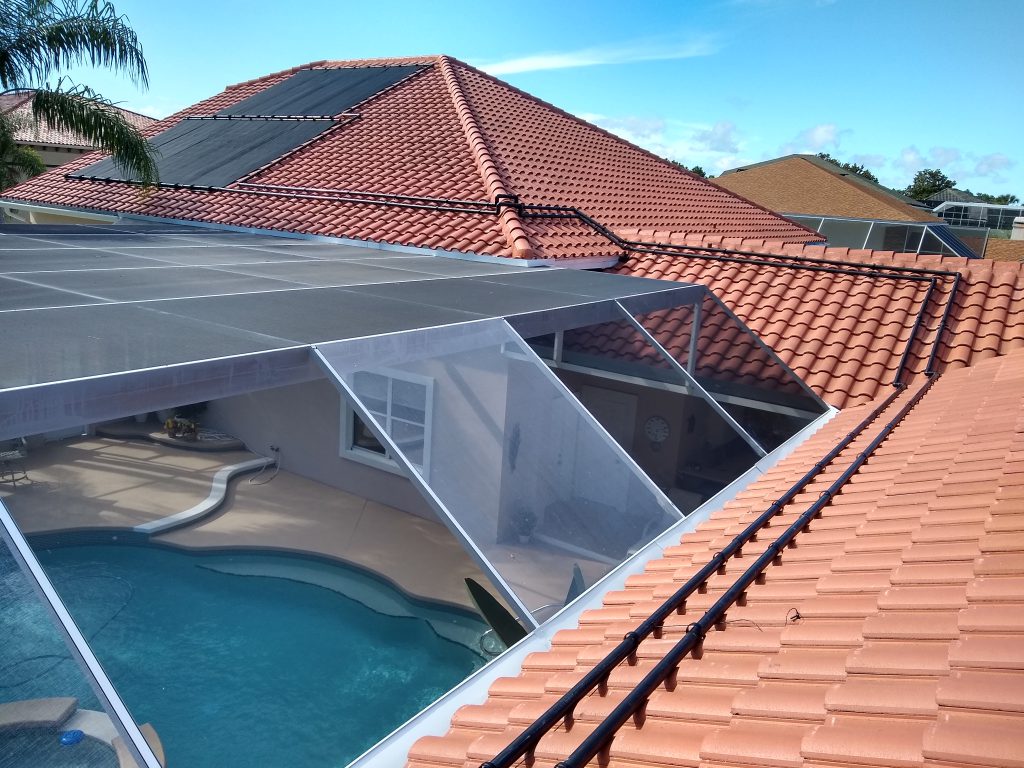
12, 458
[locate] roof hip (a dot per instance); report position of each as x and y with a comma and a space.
511, 225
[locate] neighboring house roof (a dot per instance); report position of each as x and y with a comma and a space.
889, 634
953, 196
425, 162
844, 328
30, 131
998, 249
806, 184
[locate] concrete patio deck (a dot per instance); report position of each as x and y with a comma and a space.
96, 483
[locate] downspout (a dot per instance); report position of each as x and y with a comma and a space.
508, 216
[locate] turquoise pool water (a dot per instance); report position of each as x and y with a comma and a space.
250, 659
42, 749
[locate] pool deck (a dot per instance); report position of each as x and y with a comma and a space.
95, 483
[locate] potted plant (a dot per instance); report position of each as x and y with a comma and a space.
524, 521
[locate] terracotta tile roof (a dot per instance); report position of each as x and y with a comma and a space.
998, 249
845, 334
807, 184
889, 635
725, 353
18, 104
450, 141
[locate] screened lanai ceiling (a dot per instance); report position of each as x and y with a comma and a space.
104, 322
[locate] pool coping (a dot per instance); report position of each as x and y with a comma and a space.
21, 715
129, 537
218, 494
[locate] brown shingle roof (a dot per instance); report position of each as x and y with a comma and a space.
998, 249
29, 131
890, 635
807, 184
447, 133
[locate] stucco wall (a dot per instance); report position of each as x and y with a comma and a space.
304, 421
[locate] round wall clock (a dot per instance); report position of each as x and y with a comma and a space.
657, 429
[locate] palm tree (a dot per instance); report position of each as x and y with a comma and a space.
16, 162
40, 38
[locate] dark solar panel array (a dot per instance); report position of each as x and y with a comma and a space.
320, 92
951, 241
215, 153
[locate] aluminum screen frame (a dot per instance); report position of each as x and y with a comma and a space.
688, 359
479, 509
88, 665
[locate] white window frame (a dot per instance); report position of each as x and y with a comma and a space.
348, 448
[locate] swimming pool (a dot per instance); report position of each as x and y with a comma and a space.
243, 659
42, 749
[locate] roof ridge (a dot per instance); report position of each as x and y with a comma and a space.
381, 61
578, 119
288, 71
664, 160
869, 188
18, 96
511, 225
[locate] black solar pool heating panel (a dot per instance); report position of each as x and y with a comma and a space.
951, 241
215, 153
320, 92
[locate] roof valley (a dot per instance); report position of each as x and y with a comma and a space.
511, 224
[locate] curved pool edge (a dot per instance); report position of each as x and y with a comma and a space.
129, 537
55, 715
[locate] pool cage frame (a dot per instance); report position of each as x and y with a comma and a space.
59, 405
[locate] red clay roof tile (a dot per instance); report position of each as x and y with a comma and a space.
445, 134
854, 672
17, 104
845, 334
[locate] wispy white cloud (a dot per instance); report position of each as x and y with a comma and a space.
721, 137
814, 139
871, 162
715, 147
945, 156
992, 166
967, 169
910, 160
628, 53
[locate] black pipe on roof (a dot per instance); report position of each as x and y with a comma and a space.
537, 210
636, 700
526, 742
943, 322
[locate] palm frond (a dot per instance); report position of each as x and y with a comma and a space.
41, 37
100, 123
17, 163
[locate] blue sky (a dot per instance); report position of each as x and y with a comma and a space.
897, 85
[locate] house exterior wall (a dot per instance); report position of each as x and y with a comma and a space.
304, 421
